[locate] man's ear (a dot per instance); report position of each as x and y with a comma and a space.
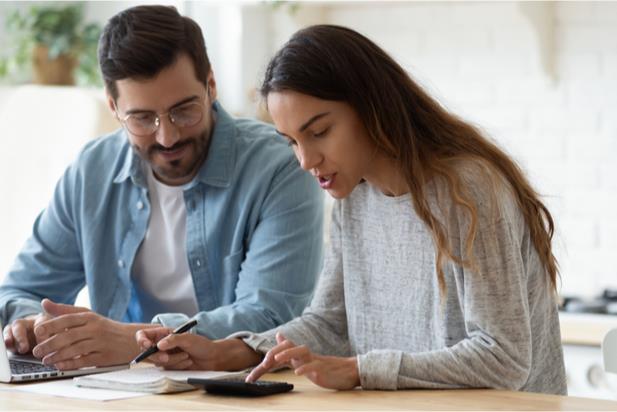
111, 102
212, 94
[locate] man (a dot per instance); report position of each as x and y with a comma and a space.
185, 212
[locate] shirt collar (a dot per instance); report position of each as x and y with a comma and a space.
216, 169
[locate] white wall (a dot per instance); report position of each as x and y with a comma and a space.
547, 92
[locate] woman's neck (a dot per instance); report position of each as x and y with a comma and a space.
387, 177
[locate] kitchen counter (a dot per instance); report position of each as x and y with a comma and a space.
585, 328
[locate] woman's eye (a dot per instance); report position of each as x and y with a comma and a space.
322, 133
291, 142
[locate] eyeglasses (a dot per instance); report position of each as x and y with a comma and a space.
146, 123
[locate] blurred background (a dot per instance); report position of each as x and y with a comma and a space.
539, 77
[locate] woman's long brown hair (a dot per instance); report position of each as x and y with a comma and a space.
427, 142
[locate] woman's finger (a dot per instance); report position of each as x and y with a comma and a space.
296, 354
269, 360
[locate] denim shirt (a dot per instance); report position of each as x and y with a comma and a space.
254, 234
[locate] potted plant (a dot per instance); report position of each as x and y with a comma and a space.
54, 42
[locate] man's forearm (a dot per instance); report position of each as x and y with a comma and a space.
236, 355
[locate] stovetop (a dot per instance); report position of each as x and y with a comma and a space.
604, 304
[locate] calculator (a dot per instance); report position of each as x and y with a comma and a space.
238, 387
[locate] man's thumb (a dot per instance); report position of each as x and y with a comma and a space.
57, 309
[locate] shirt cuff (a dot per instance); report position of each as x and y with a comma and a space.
20, 308
379, 369
170, 320
258, 342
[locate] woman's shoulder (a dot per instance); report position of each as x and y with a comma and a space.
484, 186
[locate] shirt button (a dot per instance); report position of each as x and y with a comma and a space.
121, 264
140, 205
198, 262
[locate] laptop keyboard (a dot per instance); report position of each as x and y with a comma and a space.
19, 367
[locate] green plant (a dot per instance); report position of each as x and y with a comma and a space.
61, 30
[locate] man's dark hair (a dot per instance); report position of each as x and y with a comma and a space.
141, 41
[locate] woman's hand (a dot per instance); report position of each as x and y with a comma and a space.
327, 371
195, 352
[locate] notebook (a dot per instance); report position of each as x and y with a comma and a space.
149, 379
17, 368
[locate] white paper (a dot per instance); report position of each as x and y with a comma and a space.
66, 389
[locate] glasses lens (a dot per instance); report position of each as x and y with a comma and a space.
141, 123
187, 115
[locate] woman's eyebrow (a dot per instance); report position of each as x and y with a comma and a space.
311, 120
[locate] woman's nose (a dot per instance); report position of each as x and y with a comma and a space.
308, 159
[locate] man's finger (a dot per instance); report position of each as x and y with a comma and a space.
9, 342
58, 309
20, 336
71, 351
60, 340
92, 359
57, 325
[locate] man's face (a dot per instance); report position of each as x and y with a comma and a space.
174, 152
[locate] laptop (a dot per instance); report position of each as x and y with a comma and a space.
18, 368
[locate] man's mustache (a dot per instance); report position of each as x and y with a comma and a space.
160, 148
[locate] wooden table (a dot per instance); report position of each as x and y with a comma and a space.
307, 396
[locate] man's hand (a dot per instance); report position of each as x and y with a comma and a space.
330, 372
194, 352
76, 337
19, 336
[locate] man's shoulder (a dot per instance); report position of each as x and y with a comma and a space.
104, 151
110, 144
258, 141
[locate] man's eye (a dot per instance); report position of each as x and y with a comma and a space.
142, 117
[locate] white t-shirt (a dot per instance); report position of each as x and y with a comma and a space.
161, 267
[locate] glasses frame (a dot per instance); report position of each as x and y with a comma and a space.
157, 119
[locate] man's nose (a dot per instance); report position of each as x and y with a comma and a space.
167, 134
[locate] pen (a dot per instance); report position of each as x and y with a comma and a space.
185, 327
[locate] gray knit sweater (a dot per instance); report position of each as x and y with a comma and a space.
378, 299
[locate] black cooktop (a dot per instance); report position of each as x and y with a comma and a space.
605, 304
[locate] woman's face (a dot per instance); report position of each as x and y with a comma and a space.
328, 138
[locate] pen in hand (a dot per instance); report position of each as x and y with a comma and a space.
154, 348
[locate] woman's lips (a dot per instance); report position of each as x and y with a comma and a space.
326, 181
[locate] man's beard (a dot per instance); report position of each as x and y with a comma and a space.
196, 150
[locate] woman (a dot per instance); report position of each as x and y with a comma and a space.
440, 272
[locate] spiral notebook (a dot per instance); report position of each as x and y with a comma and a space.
148, 379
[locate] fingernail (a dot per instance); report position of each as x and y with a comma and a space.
39, 331
36, 352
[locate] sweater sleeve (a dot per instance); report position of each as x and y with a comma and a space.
496, 352
323, 324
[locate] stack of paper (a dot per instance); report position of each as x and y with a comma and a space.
149, 379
